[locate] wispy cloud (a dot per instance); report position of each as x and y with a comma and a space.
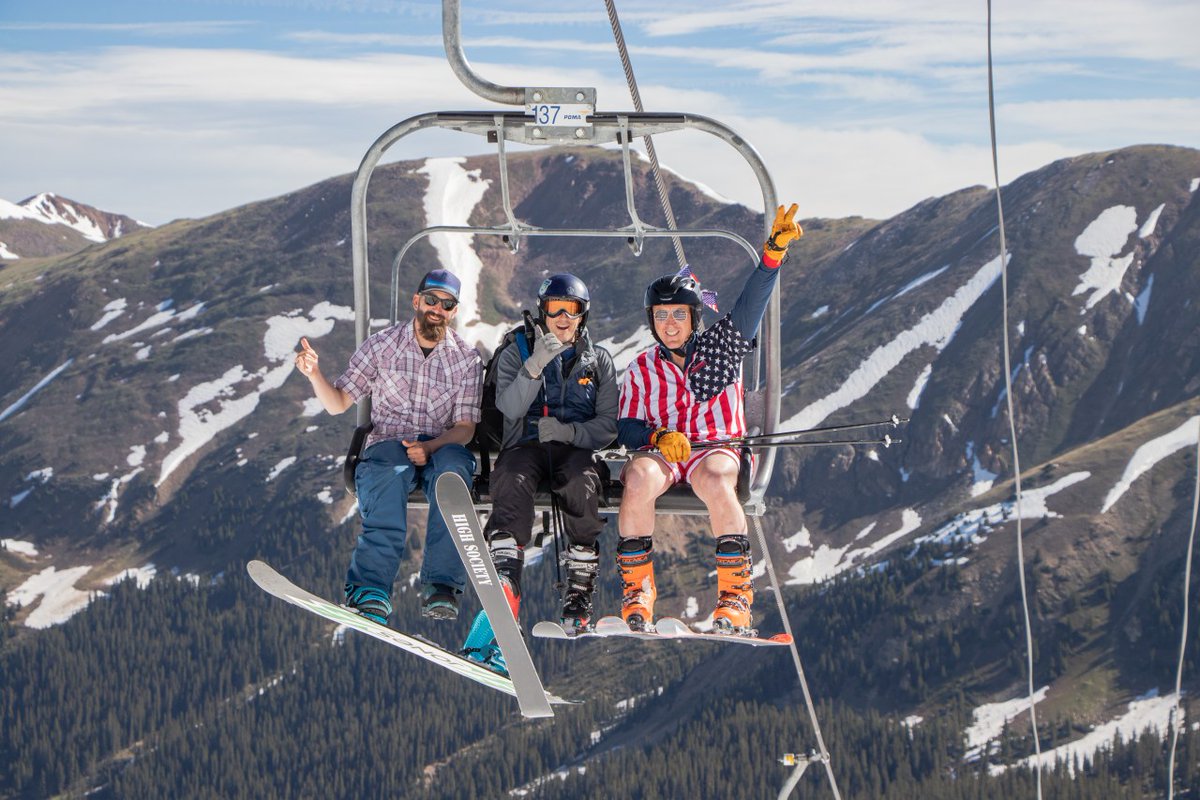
189, 28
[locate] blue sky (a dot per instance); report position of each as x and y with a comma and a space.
190, 107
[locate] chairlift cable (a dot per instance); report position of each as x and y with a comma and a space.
823, 752
1012, 425
1176, 722
660, 184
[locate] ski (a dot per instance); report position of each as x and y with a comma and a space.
678, 629
556, 630
615, 626
273, 583
458, 510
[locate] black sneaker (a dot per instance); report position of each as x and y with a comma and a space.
439, 601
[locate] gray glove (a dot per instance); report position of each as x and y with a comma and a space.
544, 350
551, 430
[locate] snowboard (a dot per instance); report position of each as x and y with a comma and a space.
274, 583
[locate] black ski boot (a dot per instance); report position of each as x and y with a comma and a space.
583, 564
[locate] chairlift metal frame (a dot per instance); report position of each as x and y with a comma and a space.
597, 129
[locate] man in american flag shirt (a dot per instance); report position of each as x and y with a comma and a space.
688, 389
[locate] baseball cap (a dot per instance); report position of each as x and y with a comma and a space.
441, 279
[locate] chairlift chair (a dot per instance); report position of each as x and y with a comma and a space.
540, 123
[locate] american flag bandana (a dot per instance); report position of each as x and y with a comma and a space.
707, 296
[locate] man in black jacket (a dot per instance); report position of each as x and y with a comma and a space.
559, 400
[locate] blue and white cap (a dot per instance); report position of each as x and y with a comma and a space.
441, 279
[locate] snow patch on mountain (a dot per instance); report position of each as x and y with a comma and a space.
23, 399
1102, 241
826, 561
1148, 712
59, 599
1149, 454
1151, 222
973, 526
50, 209
199, 421
452, 195
625, 350
19, 546
936, 328
111, 311
914, 396
988, 721
164, 313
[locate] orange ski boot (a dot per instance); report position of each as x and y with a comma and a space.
735, 593
636, 567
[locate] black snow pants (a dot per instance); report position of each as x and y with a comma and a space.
573, 477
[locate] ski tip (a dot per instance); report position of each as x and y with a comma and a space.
550, 630
537, 713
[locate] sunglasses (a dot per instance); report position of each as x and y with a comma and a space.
430, 299
556, 308
680, 314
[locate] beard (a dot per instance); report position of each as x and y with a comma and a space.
432, 329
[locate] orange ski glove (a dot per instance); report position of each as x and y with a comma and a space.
784, 231
673, 445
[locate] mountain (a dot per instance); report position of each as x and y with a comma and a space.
49, 225
150, 422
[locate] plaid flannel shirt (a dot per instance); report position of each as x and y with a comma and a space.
412, 395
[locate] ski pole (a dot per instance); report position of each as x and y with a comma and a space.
887, 441
894, 421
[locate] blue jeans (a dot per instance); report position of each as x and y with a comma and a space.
383, 480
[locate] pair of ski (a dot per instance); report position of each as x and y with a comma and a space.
458, 510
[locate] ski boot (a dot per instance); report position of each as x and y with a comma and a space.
481, 645
735, 593
369, 602
583, 564
636, 567
439, 601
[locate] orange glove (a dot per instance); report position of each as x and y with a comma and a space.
673, 445
784, 231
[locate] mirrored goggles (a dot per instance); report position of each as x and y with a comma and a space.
679, 314
556, 307
430, 299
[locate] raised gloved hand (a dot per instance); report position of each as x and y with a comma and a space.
551, 430
673, 445
784, 230
544, 350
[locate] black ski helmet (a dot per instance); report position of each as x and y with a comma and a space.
675, 290
564, 286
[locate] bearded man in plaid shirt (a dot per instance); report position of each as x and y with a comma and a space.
426, 385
